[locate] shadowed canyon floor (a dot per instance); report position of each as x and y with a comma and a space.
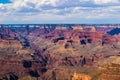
59, 53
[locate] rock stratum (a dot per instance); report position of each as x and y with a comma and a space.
59, 53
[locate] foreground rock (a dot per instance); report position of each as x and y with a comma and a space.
59, 53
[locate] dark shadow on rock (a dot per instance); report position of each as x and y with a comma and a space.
27, 64
13, 77
10, 76
34, 74
83, 42
89, 40
114, 31
53, 75
43, 70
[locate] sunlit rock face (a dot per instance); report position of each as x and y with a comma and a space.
78, 28
77, 35
59, 53
10, 44
77, 76
75, 47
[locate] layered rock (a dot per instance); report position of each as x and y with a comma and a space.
65, 47
77, 76
58, 53
10, 44
78, 28
108, 71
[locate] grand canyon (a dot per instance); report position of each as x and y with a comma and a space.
59, 52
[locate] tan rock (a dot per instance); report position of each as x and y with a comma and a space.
77, 76
78, 28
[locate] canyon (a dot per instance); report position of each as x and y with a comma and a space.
60, 52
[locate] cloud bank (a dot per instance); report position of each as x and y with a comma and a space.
60, 11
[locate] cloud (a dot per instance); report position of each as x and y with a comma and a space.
101, 2
21, 11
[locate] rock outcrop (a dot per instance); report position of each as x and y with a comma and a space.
59, 53
77, 76
10, 44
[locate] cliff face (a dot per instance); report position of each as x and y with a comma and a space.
14, 70
77, 76
77, 47
109, 71
10, 44
58, 53
72, 47
76, 36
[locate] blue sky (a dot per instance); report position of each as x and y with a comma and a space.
60, 11
4, 1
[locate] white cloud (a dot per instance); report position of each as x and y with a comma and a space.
58, 10
105, 1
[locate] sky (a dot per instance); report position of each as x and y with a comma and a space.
59, 11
